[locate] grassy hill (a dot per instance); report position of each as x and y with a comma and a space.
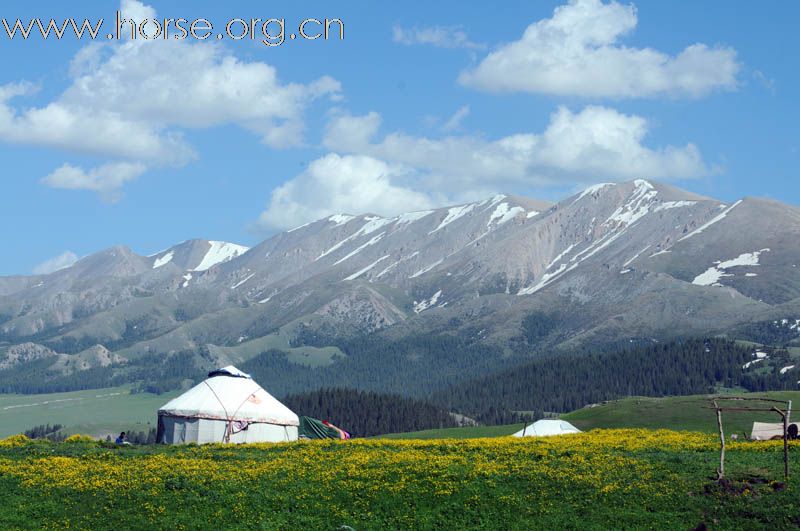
610, 479
676, 413
688, 413
95, 412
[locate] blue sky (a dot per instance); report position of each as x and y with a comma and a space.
148, 144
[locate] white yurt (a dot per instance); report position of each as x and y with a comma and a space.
547, 427
229, 406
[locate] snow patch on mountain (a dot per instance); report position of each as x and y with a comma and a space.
631, 260
453, 214
372, 224
714, 274
666, 205
503, 213
719, 217
243, 281
411, 217
372, 241
361, 272
219, 253
491, 201
546, 279
664, 251
744, 259
164, 260
591, 190
426, 269
300, 226
341, 219
560, 256
710, 277
428, 303
638, 206
387, 269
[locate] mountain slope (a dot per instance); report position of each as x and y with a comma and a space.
614, 263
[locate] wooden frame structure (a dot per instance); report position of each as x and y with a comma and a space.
784, 413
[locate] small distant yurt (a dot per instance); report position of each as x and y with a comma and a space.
547, 427
229, 406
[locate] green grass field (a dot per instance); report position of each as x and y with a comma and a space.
95, 412
606, 479
468, 432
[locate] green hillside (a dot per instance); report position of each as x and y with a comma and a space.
676, 413
95, 412
687, 413
103, 411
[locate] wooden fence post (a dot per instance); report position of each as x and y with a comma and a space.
785, 447
721, 471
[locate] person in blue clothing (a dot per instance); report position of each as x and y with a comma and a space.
121, 439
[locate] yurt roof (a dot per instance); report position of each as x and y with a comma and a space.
545, 427
230, 394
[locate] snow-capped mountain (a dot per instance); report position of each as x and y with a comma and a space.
616, 261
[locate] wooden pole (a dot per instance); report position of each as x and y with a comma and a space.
721, 471
785, 447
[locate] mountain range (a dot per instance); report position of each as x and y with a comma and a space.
616, 263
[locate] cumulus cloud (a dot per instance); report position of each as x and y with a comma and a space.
399, 172
575, 148
345, 132
438, 36
336, 184
577, 53
62, 261
132, 101
107, 179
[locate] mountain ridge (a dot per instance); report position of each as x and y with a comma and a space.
615, 261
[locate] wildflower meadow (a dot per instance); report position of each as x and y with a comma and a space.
600, 479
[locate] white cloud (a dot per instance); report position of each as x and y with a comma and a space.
340, 184
107, 179
599, 141
454, 122
62, 261
575, 148
94, 131
133, 100
345, 132
577, 53
400, 172
438, 36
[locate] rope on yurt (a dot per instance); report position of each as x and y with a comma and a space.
229, 429
226, 436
